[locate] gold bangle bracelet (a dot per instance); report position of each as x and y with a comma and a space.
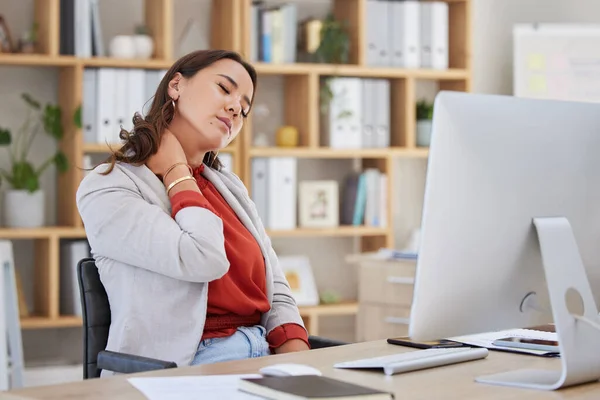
177, 181
175, 165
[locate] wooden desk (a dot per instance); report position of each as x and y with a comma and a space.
448, 382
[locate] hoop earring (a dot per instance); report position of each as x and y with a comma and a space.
173, 103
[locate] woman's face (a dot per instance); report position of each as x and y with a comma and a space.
211, 106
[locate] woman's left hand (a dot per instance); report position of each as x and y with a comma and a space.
291, 346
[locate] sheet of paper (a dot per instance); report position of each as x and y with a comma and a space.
486, 339
206, 387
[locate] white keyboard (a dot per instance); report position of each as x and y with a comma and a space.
419, 359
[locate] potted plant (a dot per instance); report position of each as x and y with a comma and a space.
28, 42
23, 202
424, 119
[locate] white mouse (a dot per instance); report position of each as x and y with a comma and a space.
289, 370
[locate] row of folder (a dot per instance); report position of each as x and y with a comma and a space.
273, 33
111, 97
274, 191
80, 28
407, 34
358, 115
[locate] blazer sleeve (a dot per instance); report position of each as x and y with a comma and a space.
121, 225
284, 309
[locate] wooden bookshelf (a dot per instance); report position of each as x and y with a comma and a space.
231, 30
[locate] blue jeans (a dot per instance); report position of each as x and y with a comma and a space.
246, 342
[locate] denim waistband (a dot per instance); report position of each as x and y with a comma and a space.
230, 321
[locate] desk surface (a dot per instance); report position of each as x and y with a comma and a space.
448, 382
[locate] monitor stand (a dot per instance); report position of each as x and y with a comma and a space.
579, 341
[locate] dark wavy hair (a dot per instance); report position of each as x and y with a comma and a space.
144, 139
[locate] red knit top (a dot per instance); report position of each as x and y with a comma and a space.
239, 297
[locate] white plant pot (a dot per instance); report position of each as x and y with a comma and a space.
122, 46
423, 133
22, 209
144, 46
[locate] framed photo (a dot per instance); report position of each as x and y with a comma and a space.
298, 273
319, 204
6, 44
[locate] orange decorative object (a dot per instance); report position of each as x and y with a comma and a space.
287, 136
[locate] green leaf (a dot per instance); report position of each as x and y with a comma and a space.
24, 176
5, 137
77, 118
31, 101
52, 123
61, 162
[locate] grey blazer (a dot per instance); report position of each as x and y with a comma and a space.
156, 269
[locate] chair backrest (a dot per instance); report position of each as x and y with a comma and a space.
96, 316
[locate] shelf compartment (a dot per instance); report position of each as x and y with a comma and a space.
339, 231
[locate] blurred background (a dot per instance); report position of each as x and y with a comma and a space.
334, 155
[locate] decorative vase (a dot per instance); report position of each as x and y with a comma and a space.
423, 133
23, 209
122, 46
287, 136
144, 46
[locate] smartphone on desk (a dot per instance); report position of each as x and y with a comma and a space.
529, 344
436, 344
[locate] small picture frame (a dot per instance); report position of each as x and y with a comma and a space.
299, 275
319, 204
6, 44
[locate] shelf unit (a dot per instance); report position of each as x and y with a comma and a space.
231, 30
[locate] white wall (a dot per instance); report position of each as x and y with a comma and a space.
492, 22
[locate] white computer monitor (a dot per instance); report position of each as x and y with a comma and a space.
503, 173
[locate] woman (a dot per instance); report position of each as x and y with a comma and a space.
188, 268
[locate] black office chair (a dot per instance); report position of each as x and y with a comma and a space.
96, 322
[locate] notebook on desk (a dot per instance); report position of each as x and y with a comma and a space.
542, 332
310, 387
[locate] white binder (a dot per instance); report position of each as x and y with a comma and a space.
434, 35
404, 27
378, 38
368, 113
120, 103
382, 100
260, 188
135, 95
105, 94
345, 119
11, 344
88, 107
282, 195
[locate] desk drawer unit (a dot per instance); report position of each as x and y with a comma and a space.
385, 297
381, 322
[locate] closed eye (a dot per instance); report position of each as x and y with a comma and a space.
224, 88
